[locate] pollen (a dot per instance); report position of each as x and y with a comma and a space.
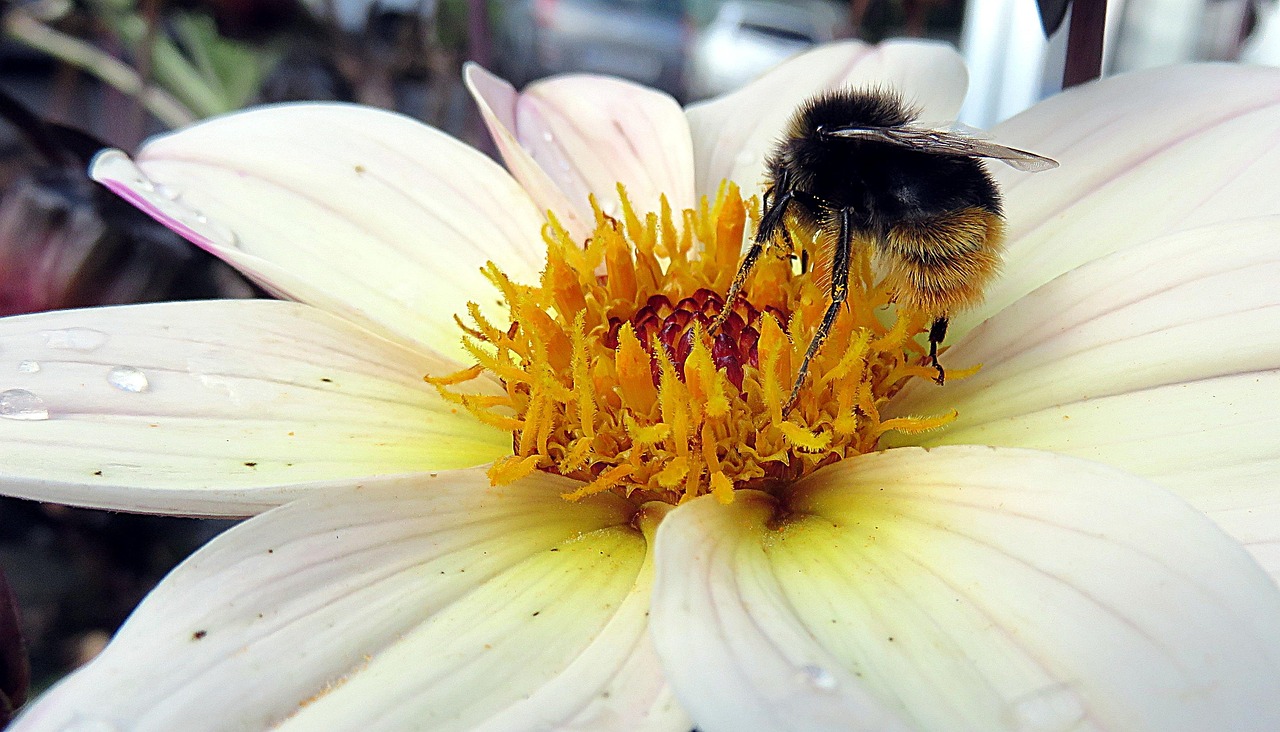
613, 376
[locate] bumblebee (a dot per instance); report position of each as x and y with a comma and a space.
855, 166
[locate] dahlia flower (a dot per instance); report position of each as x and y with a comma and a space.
582, 511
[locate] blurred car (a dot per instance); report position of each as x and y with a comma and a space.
641, 40
748, 37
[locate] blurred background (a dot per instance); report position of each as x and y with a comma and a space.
79, 74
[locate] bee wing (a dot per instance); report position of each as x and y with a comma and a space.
1018, 159
945, 142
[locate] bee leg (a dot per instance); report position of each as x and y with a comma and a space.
771, 219
839, 291
787, 240
937, 332
739, 279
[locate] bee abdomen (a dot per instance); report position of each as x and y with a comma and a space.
942, 264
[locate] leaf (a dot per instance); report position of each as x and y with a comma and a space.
237, 69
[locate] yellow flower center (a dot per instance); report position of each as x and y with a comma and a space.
612, 376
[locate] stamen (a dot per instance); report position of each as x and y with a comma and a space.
614, 376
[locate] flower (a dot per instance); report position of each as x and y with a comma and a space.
981, 585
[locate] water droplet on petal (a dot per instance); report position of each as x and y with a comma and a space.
208, 228
818, 677
74, 339
145, 184
128, 378
1055, 708
28, 367
22, 405
547, 136
168, 192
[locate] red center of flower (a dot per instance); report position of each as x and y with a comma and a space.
734, 345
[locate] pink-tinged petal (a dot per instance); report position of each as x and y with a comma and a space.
427, 603
217, 408
361, 212
732, 134
1141, 155
497, 102
964, 589
1161, 359
576, 135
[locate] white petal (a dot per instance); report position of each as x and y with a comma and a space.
960, 589
358, 211
218, 408
403, 604
583, 135
733, 133
727, 637
1162, 359
1141, 155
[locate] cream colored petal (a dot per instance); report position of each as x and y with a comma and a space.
732, 134
441, 604
1141, 155
965, 589
1161, 359
576, 135
361, 212
217, 408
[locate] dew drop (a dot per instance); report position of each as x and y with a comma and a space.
128, 378
220, 385
1055, 708
209, 228
547, 136
818, 677
28, 367
168, 192
145, 185
74, 339
22, 405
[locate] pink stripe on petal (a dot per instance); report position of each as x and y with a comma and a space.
114, 169
361, 212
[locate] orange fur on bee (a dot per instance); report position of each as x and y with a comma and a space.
942, 264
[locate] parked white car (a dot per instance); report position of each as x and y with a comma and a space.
748, 37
